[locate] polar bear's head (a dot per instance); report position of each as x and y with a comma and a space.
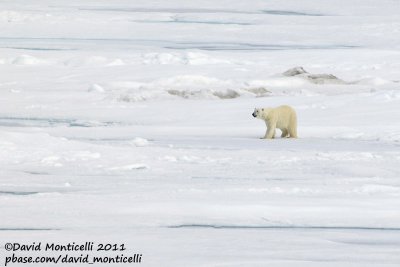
258, 113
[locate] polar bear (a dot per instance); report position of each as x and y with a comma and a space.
282, 117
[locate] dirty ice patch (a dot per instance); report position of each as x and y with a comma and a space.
293, 82
185, 87
143, 94
323, 78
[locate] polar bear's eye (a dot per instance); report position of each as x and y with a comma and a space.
262, 109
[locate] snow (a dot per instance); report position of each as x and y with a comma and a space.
130, 122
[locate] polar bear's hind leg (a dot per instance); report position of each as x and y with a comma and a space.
284, 133
293, 133
293, 127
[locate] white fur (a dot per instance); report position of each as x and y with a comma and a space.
282, 117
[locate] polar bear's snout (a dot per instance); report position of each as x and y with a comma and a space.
255, 113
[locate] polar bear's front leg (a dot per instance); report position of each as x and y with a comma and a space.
270, 133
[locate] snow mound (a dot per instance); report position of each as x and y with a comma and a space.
96, 88
186, 87
139, 142
386, 137
14, 16
94, 61
195, 58
376, 81
189, 58
220, 94
387, 95
163, 59
117, 62
300, 72
138, 94
294, 71
376, 188
188, 94
278, 82
193, 81
136, 166
144, 94
202, 87
28, 60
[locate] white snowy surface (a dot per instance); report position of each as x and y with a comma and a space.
130, 122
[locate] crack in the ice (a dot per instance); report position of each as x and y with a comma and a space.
290, 13
51, 122
210, 46
195, 22
36, 173
18, 193
199, 10
283, 227
256, 47
29, 229
39, 48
